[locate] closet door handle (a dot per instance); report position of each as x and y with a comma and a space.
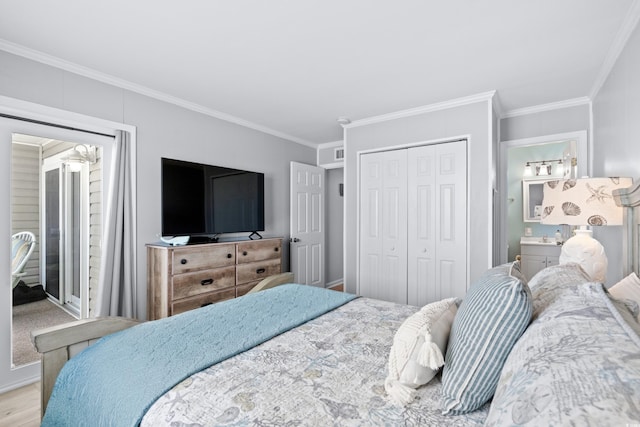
206, 282
261, 270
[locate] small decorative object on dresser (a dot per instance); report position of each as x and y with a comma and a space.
187, 277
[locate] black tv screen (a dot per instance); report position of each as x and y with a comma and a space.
200, 199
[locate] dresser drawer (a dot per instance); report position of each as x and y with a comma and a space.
256, 270
259, 250
202, 300
183, 278
202, 257
199, 282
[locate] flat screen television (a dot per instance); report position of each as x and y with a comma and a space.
207, 200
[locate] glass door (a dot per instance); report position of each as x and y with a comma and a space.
76, 239
51, 209
65, 233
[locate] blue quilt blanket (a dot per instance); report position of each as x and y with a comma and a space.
115, 381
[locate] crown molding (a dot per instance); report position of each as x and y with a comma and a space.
333, 144
497, 105
625, 31
584, 100
485, 96
142, 90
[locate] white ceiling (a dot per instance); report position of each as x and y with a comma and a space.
292, 67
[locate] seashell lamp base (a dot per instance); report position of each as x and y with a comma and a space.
583, 249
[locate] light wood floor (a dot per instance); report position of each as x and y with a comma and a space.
21, 407
338, 287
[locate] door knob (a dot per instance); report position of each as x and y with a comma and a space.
294, 240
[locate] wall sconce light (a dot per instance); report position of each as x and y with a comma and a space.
543, 167
560, 168
79, 155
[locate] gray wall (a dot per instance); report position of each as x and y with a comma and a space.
616, 122
550, 122
163, 130
326, 156
474, 120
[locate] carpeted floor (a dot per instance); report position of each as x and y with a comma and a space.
27, 317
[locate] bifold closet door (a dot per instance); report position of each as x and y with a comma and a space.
413, 224
437, 222
383, 226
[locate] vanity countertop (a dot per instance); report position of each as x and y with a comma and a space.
550, 241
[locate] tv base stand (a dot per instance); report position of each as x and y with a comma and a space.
253, 235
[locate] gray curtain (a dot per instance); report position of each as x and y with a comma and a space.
117, 285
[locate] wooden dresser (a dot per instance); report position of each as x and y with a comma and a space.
181, 278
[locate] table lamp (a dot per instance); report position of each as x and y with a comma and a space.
583, 202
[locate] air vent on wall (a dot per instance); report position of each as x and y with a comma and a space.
338, 154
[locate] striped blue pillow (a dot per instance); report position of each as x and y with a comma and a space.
495, 312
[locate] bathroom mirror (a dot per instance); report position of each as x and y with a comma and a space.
532, 192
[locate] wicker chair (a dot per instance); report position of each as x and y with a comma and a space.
22, 245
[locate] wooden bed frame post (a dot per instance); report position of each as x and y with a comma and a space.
60, 343
629, 199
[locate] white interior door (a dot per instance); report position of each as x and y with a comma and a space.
437, 222
382, 272
307, 229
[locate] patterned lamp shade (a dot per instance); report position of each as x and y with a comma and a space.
583, 201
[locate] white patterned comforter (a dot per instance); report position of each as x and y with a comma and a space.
578, 363
329, 371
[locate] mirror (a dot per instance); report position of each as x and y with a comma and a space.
54, 200
532, 192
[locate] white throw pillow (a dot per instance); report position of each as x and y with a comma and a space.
627, 288
418, 348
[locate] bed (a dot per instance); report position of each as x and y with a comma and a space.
322, 357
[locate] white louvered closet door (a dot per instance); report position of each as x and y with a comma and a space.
383, 230
413, 224
437, 222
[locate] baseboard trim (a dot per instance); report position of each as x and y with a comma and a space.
19, 384
334, 283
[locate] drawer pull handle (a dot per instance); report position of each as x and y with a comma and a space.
206, 304
261, 270
229, 255
276, 249
206, 282
244, 253
183, 261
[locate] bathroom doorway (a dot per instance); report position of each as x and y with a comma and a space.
514, 155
